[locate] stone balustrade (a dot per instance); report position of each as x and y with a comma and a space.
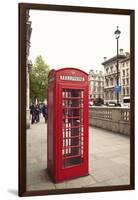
110, 118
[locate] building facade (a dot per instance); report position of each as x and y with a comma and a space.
110, 77
28, 66
96, 84
125, 76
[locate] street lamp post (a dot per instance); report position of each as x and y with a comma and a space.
117, 35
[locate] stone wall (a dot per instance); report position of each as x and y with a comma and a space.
113, 119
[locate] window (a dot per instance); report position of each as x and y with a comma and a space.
107, 70
111, 81
127, 80
91, 84
123, 72
116, 68
127, 91
111, 96
127, 72
106, 95
107, 82
111, 69
115, 80
123, 91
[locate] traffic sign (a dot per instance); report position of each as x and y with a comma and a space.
117, 88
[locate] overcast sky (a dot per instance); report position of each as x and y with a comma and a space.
80, 40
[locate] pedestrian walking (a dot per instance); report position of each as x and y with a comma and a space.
32, 112
45, 112
37, 113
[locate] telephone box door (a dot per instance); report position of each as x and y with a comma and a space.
74, 132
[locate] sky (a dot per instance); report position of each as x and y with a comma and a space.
80, 40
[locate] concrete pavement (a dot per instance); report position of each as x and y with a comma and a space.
109, 160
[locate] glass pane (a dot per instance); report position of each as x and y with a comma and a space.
72, 127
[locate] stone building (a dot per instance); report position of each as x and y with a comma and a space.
110, 76
96, 84
125, 76
28, 66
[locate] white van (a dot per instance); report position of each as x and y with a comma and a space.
126, 101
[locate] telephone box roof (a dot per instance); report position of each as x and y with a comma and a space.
53, 71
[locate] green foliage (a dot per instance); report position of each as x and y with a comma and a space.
39, 80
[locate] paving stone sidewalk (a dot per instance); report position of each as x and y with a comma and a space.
109, 160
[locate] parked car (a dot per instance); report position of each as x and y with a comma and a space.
113, 104
98, 102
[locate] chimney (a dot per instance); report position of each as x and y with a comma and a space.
127, 54
105, 58
121, 52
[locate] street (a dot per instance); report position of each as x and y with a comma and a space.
109, 159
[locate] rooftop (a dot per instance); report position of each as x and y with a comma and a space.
120, 57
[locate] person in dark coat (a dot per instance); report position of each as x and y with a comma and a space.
45, 112
37, 113
32, 112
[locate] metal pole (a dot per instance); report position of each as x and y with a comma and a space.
117, 75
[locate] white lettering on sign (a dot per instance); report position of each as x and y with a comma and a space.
72, 78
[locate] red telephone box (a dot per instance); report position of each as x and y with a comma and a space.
67, 138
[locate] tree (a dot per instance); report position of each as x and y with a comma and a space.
39, 80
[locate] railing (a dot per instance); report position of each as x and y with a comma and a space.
114, 119
125, 114
101, 113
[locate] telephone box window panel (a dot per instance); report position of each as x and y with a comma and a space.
72, 127
67, 149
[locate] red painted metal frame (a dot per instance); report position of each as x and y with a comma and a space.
55, 160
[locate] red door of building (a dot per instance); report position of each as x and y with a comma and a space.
70, 125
